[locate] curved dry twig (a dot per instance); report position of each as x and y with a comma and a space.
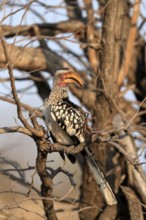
35, 132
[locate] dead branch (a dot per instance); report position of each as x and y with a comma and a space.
130, 44
92, 54
46, 29
16, 11
31, 110
55, 172
35, 132
133, 202
27, 59
46, 180
133, 161
114, 141
15, 129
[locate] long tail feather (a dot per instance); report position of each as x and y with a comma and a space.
105, 188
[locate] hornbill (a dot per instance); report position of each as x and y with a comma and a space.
67, 124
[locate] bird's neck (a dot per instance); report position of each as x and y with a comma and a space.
58, 94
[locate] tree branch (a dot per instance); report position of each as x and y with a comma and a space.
34, 111
14, 129
37, 133
130, 44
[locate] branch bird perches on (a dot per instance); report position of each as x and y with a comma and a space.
67, 124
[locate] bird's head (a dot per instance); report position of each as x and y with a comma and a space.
66, 76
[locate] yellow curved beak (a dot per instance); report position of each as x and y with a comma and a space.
72, 77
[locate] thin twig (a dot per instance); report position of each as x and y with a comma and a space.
132, 119
35, 132
34, 111
133, 161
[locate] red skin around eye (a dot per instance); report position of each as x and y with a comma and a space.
61, 83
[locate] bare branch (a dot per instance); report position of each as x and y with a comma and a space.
34, 111
47, 183
130, 44
133, 161
15, 129
38, 133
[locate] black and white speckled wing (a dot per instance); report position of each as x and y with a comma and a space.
71, 119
